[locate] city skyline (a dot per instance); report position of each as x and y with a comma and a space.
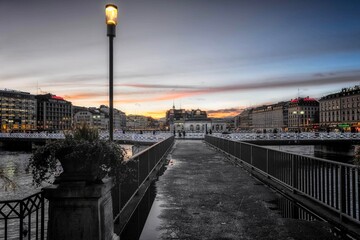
217, 56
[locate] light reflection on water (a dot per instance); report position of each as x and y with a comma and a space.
13, 167
150, 229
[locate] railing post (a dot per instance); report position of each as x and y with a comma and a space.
267, 160
294, 174
251, 155
342, 192
240, 151
138, 171
42, 233
21, 220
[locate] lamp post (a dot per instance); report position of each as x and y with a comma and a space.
298, 113
111, 21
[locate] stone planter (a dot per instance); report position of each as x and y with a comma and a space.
75, 170
80, 163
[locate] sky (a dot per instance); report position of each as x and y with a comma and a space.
217, 55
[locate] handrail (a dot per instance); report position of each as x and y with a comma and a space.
141, 166
26, 217
315, 158
332, 184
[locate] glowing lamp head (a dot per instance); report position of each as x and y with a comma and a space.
302, 112
111, 14
294, 112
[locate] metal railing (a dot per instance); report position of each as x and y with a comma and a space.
145, 137
23, 219
27, 218
334, 185
138, 168
149, 136
290, 136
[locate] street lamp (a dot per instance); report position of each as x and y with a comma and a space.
298, 113
111, 21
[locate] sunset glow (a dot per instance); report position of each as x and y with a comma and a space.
211, 55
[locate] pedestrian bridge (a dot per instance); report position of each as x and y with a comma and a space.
207, 193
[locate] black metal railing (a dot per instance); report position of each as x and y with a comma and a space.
138, 169
23, 219
27, 218
332, 184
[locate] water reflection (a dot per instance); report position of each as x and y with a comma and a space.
143, 223
150, 230
13, 167
135, 225
16, 182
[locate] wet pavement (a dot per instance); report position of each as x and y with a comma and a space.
202, 195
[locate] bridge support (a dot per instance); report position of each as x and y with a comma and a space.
80, 211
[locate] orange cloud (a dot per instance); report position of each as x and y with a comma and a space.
223, 113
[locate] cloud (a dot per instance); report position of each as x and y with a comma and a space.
159, 86
157, 92
226, 112
308, 81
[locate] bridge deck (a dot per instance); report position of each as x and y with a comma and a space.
204, 196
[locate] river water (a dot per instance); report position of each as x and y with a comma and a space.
13, 166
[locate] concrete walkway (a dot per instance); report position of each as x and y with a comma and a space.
205, 196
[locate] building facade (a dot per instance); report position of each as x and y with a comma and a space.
189, 121
270, 118
245, 120
53, 113
119, 117
137, 122
303, 114
18, 111
341, 110
92, 117
197, 121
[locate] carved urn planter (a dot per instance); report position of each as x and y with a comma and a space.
81, 162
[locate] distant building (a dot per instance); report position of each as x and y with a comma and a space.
17, 111
175, 119
196, 121
92, 117
341, 110
175, 116
270, 117
189, 121
119, 117
237, 121
219, 124
245, 120
162, 124
303, 114
53, 113
137, 122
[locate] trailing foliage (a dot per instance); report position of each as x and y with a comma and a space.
83, 144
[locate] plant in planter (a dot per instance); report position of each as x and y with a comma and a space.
83, 157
